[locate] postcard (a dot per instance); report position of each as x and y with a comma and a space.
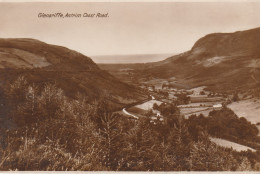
137, 86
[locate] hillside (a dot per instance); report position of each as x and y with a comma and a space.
71, 71
222, 61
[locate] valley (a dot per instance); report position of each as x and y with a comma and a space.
210, 77
202, 102
199, 102
73, 72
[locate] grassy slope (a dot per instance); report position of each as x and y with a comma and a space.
222, 61
70, 70
250, 109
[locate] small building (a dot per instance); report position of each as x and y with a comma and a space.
151, 88
217, 106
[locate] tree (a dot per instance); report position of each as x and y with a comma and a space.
235, 97
16, 90
196, 126
202, 93
155, 106
139, 150
206, 156
182, 99
28, 111
181, 143
110, 135
51, 99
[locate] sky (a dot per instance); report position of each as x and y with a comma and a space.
130, 28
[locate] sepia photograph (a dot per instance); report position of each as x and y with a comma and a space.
130, 86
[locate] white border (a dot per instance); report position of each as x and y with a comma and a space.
107, 172
129, 1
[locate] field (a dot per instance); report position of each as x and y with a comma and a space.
197, 111
136, 110
148, 105
9, 58
199, 104
141, 109
196, 91
203, 98
157, 83
229, 144
250, 109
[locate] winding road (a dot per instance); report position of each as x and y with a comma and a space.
127, 113
136, 117
132, 115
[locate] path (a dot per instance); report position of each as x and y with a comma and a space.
132, 115
127, 113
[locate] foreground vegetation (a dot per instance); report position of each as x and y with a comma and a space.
226, 124
50, 131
